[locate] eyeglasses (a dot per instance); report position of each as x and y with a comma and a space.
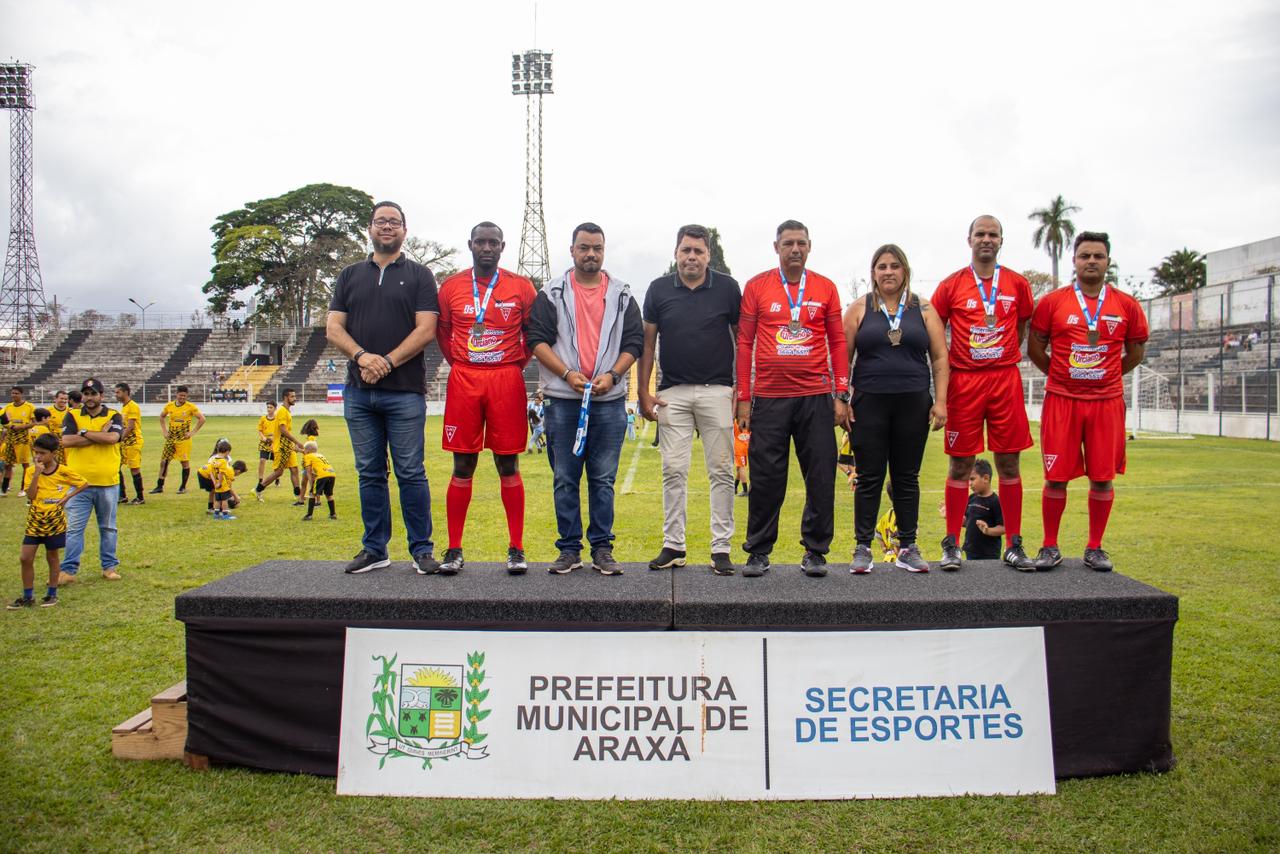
383, 222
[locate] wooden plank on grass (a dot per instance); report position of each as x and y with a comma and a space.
142, 717
173, 694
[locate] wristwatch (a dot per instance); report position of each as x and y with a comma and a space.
617, 377
82, 432
844, 397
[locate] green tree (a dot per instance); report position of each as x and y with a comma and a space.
717, 255
440, 259
289, 249
1180, 272
1041, 283
1054, 230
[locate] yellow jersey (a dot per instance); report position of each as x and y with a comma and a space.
318, 466
267, 428
97, 463
44, 517
132, 412
284, 421
887, 535
180, 418
56, 415
38, 430
18, 414
221, 473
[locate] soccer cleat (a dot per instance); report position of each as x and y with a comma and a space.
813, 565
227, 517
299, 503
452, 563
48, 601
65, 578
567, 562
721, 564
862, 560
258, 495
1016, 557
182, 490
1098, 560
110, 575
424, 563
602, 561
20, 603
909, 559
333, 517
757, 565
365, 562
516, 564
668, 558
138, 500
950, 554
159, 490
306, 518
1048, 558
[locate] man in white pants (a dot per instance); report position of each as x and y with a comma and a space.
691, 320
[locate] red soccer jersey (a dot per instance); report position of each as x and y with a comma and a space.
974, 346
1076, 368
791, 364
503, 340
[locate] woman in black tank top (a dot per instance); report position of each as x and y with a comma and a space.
898, 342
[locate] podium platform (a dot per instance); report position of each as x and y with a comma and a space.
265, 645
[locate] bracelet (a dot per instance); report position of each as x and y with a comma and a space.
387, 359
566, 373
359, 353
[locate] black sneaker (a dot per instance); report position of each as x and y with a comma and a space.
602, 561
159, 490
757, 565
1048, 558
306, 518
950, 554
452, 563
299, 503
1098, 560
863, 560
1016, 557
667, 559
424, 563
566, 563
721, 564
48, 601
813, 565
365, 562
516, 564
138, 500
182, 490
909, 559
20, 603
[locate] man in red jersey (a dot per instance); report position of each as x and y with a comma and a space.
988, 307
790, 330
482, 317
1094, 335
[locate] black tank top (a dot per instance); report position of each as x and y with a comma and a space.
883, 368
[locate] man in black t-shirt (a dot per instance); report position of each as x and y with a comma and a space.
691, 321
983, 518
382, 315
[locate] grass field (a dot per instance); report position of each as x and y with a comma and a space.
1192, 517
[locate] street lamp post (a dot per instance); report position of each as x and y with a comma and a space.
144, 310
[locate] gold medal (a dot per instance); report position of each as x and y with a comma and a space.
794, 326
895, 337
1093, 337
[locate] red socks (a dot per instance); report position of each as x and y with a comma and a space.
457, 500
1099, 511
1053, 502
513, 503
1011, 506
957, 501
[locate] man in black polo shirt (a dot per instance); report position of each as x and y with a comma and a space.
694, 312
382, 315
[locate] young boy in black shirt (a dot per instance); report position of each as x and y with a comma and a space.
983, 518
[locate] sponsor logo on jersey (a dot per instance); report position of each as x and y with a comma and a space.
794, 343
775, 306
971, 303
1085, 363
1073, 320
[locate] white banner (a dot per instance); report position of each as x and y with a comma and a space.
718, 715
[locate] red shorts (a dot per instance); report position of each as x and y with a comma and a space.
485, 408
1082, 437
993, 395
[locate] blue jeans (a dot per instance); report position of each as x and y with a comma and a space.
605, 430
376, 419
101, 500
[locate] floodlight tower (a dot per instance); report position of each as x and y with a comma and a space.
531, 78
23, 313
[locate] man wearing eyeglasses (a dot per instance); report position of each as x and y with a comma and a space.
383, 314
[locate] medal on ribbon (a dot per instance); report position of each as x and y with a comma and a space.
1091, 320
477, 328
895, 322
794, 325
584, 415
989, 303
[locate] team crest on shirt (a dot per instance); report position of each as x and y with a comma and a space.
813, 306
449, 430
952, 435
1049, 460
505, 308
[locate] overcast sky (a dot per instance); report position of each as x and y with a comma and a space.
890, 124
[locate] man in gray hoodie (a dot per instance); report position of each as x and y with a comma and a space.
585, 331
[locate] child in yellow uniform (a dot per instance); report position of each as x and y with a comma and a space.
48, 487
322, 476
887, 528
222, 474
266, 439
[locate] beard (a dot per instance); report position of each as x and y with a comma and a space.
389, 247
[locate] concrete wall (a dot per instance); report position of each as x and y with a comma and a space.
1243, 262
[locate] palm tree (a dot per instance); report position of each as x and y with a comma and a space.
1055, 230
1180, 272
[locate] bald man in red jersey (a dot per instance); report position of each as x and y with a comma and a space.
1086, 337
